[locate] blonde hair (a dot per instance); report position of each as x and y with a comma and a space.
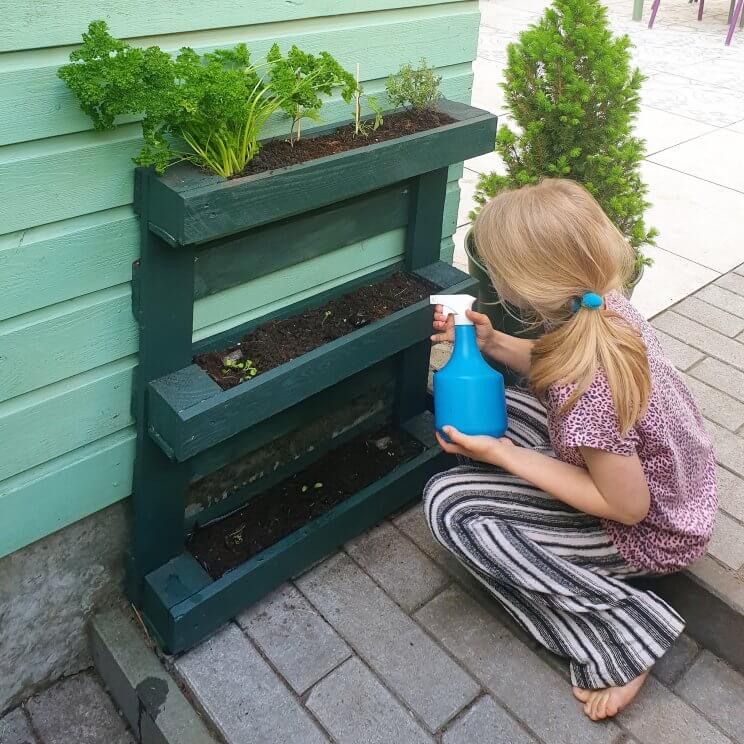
545, 246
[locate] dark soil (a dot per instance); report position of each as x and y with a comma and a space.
289, 505
281, 153
280, 341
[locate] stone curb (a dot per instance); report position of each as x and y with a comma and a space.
154, 706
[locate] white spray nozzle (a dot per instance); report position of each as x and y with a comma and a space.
457, 304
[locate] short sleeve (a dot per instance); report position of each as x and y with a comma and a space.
592, 421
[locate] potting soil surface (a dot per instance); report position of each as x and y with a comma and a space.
287, 506
280, 341
280, 153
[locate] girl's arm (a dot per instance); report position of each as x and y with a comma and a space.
613, 487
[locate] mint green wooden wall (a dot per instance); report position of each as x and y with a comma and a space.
68, 236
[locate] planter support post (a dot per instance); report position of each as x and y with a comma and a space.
423, 245
164, 311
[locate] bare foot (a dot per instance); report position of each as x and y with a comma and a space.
608, 702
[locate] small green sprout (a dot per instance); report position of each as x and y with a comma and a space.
243, 367
317, 486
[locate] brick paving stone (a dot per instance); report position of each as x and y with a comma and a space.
77, 709
730, 493
710, 315
673, 664
404, 572
722, 298
732, 282
295, 638
658, 716
715, 344
515, 675
729, 448
715, 405
398, 651
242, 695
722, 376
14, 729
727, 541
486, 722
356, 709
714, 687
680, 354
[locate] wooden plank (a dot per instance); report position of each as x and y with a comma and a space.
49, 345
249, 256
40, 104
26, 24
62, 491
59, 262
211, 210
42, 425
52, 180
206, 610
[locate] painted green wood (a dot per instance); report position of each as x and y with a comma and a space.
64, 260
40, 104
229, 262
199, 615
49, 345
26, 24
188, 207
42, 425
60, 178
62, 491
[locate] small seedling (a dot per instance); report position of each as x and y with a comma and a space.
304, 489
243, 367
414, 88
359, 126
326, 315
317, 486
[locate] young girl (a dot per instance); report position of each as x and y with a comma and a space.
606, 473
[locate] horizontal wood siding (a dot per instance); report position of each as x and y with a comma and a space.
68, 235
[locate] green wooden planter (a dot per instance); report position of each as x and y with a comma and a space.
201, 234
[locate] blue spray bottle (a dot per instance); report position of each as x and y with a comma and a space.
468, 393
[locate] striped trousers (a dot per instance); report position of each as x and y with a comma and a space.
554, 569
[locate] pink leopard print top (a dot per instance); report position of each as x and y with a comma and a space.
675, 451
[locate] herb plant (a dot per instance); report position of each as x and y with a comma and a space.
242, 367
415, 88
207, 109
573, 95
361, 127
299, 79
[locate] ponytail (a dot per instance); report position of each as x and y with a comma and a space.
587, 341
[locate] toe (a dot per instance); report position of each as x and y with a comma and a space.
581, 694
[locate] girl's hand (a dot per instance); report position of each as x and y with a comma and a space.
444, 327
491, 450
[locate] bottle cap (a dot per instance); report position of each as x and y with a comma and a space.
456, 304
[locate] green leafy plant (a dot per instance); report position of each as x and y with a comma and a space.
415, 88
361, 127
242, 367
299, 80
573, 96
207, 109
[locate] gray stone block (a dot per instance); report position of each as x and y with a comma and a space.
715, 405
710, 315
399, 652
721, 376
730, 493
243, 697
727, 541
296, 639
680, 354
729, 301
14, 729
393, 561
77, 709
356, 709
732, 282
517, 677
658, 716
150, 700
729, 448
47, 592
486, 722
673, 664
712, 343
713, 687
739, 270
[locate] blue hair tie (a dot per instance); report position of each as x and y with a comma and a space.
589, 300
